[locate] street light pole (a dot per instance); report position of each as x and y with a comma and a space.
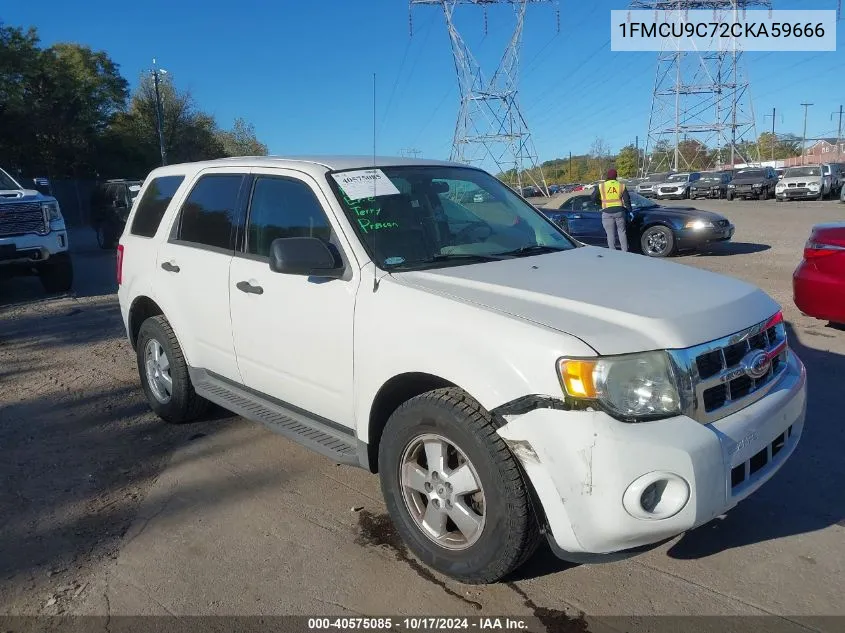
159, 115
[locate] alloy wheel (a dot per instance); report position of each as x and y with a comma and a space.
442, 492
158, 371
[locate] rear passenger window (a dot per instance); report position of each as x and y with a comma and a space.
208, 214
283, 207
154, 203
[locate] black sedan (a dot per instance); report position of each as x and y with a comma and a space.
652, 229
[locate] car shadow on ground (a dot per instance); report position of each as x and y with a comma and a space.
806, 494
94, 273
723, 249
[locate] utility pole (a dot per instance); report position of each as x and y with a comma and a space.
806, 106
637, 151
774, 136
159, 115
570, 167
838, 134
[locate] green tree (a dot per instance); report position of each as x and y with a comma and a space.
628, 161
241, 140
55, 103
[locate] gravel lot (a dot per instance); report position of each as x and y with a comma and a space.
105, 510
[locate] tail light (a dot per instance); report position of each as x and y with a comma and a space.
814, 249
119, 264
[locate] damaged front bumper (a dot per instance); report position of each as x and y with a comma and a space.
591, 472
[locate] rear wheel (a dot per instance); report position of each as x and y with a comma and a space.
164, 373
56, 274
453, 489
658, 241
107, 235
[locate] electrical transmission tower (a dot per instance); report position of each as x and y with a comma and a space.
701, 101
491, 128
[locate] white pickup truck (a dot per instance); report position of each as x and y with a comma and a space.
506, 382
33, 236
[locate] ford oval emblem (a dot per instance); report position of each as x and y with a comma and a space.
756, 364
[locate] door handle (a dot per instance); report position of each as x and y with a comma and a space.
170, 267
245, 286
576, 217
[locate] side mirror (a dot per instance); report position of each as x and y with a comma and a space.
306, 256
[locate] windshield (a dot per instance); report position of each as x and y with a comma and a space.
7, 182
655, 178
422, 217
751, 173
678, 178
711, 178
800, 172
640, 202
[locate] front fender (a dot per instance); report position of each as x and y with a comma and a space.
494, 357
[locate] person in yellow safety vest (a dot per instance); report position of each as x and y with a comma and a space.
615, 205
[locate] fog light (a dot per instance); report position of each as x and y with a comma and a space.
656, 496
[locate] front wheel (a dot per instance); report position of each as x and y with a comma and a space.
764, 195
730, 196
56, 274
658, 241
453, 489
164, 373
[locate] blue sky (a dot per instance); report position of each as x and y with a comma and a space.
301, 71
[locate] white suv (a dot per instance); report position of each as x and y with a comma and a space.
505, 381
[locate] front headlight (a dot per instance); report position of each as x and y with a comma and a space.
731, 186
632, 387
51, 211
780, 187
698, 225
757, 185
814, 185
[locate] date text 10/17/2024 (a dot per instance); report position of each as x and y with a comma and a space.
418, 624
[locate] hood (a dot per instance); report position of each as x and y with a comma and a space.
615, 302
683, 212
795, 180
23, 195
747, 180
673, 183
707, 184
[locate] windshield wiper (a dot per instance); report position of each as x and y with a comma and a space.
533, 249
449, 257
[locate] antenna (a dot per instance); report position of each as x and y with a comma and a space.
375, 233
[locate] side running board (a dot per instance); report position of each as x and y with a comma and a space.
324, 437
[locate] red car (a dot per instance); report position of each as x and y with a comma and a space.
819, 281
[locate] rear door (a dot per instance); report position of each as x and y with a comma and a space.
584, 219
192, 271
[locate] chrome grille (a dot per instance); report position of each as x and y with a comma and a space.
22, 217
713, 379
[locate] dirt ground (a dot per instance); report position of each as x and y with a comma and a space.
104, 509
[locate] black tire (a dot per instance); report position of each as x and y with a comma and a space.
107, 235
510, 534
729, 196
56, 274
764, 194
184, 405
661, 234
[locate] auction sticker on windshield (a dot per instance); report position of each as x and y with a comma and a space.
365, 183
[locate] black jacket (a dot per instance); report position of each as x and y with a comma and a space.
626, 199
